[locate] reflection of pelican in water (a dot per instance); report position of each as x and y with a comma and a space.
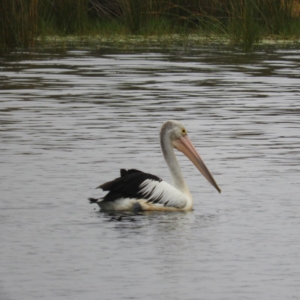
136, 190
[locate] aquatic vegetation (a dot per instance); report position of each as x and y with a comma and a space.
243, 22
18, 23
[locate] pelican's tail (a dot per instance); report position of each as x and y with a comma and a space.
93, 200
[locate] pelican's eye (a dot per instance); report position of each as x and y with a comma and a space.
183, 131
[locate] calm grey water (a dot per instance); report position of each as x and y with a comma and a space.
71, 119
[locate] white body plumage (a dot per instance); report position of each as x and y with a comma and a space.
159, 195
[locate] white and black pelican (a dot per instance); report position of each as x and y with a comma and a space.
136, 190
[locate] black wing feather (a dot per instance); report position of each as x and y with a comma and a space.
127, 186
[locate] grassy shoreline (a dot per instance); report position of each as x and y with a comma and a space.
157, 40
32, 23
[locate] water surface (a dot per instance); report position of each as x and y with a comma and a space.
71, 119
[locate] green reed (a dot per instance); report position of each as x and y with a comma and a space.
244, 22
18, 23
64, 16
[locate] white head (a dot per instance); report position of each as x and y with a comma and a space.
173, 130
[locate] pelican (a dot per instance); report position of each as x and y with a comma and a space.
138, 191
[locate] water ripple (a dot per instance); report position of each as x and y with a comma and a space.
70, 119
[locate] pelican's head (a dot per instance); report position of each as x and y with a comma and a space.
176, 133
173, 130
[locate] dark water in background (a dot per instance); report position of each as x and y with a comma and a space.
70, 119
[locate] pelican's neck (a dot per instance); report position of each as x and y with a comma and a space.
171, 160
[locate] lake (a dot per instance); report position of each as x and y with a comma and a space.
71, 118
